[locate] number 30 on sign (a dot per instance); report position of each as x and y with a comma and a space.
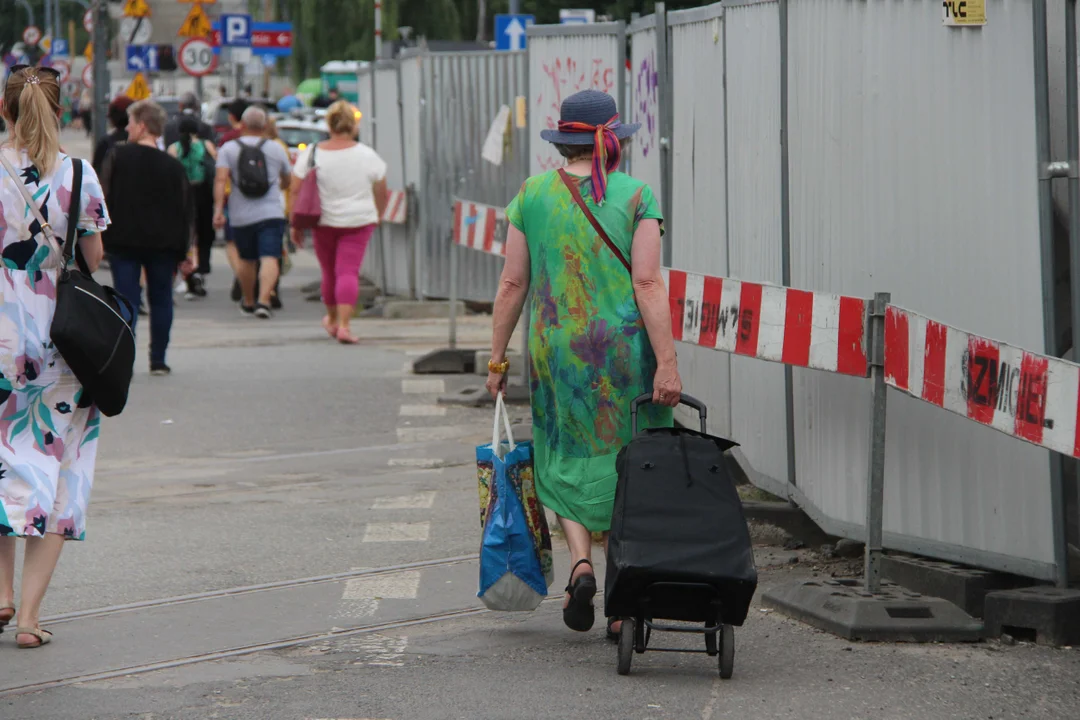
197, 57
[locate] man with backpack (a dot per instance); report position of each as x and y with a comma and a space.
258, 170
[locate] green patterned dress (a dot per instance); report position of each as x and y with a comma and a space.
590, 353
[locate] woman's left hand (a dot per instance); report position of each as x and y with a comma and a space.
496, 383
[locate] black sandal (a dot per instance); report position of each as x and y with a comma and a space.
579, 613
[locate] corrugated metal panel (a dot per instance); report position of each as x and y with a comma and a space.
644, 87
411, 109
390, 239
913, 170
752, 37
462, 94
564, 59
699, 189
366, 94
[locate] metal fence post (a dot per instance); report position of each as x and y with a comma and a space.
666, 120
1052, 325
453, 294
875, 481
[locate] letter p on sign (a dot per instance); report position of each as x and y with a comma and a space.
237, 30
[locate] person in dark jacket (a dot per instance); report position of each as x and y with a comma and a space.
153, 227
189, 108
118, 118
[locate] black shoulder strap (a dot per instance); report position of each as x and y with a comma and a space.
576, 194
73, 216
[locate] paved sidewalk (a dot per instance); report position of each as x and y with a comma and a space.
286, 528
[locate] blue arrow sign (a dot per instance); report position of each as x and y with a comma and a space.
510, 31
142, 58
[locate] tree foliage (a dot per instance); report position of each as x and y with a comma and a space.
345, 29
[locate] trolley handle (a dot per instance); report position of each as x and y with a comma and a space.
684, 399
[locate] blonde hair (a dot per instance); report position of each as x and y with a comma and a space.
271, 132
32, 107
341, 118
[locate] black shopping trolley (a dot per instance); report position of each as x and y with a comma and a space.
679, 548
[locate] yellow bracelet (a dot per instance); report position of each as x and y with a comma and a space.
499, 368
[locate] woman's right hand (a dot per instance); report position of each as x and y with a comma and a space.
667, 386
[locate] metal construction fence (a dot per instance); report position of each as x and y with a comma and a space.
840, 168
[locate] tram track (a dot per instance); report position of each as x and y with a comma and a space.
249, 589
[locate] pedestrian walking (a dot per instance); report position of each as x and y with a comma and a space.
118, 118
190, 107
48, 429
258, 170
286, 203
351, 181
198, 155
586, 240
153, 222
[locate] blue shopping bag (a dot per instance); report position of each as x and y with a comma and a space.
516, 564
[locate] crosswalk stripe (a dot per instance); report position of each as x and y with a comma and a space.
422, 411
397, 532
428, 434
421, 463
394, 586
419, 501
423, 386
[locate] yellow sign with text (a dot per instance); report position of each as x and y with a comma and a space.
138, 89
88, 53
963, 13
136, 9
196, 24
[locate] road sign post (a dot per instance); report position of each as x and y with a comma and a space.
510, 31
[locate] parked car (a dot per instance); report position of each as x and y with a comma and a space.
298, 134
217, 114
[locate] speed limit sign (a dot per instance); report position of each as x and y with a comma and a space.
197, 57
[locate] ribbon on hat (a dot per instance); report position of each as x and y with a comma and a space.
607, 152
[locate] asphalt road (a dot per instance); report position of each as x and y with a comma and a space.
286, 528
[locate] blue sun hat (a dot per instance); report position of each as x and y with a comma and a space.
591, 117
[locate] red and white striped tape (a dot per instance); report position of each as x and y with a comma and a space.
397, 208
794, 327
1031, 397
480, 227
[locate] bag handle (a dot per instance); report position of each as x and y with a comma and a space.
576, 194
496, 441
70, 243
46, 228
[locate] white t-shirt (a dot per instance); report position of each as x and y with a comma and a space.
345, 180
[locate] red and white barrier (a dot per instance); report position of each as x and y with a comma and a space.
769, 322
397, 208
1031, 397
480, 227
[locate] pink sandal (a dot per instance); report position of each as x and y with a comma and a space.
346, 338
330, 329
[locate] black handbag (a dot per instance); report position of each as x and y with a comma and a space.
92, 326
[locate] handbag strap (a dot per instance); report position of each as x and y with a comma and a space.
74, 208
576, 194
46, 228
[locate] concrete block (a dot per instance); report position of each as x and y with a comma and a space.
417, 310
446, 362
482, 357
1047, 615
963, 586
844, 608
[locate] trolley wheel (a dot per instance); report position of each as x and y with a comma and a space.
626, 646
727, 651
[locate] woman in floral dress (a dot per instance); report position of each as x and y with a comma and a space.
48, 431
600, 332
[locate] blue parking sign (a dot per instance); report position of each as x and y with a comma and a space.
510, 31
59, 48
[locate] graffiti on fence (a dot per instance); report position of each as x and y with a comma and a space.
561, 78
647, 82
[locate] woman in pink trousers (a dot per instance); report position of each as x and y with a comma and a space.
352, 191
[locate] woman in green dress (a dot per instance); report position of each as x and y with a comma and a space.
600, 330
